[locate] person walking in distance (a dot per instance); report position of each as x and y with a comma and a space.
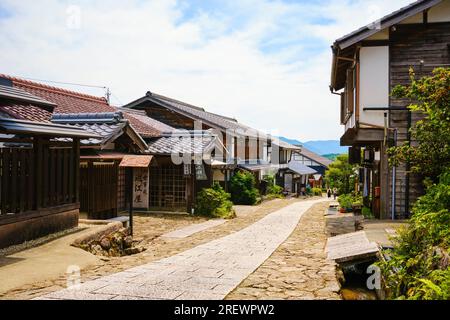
334, 193
329, 193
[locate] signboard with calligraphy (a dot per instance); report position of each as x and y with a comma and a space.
200, 173
187, 169
140, 188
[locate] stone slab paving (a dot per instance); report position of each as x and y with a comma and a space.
193, 229
298, 269
207, 272
351, 246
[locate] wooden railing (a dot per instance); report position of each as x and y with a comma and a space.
36, 178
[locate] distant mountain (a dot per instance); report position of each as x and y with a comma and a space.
326, 147
321, 147
291, 141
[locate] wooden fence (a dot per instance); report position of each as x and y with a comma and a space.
36, 178
98, 189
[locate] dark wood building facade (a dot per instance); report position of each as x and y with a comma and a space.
39, 179
104, 184
367, 65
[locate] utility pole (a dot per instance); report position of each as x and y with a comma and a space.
108, 95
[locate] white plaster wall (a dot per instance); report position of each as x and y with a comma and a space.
351, 122
374, 83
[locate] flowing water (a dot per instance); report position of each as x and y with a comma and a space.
355, 286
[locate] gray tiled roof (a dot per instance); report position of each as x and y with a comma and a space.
221, 121
106, 125
256, 165
143, 117
314, 156
14, 126
300, 168
284, 144
191, 144
212, 119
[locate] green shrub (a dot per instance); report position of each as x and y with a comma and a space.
420, 259
275, 190
345, 201
367, 213
317, 191
243, 191
214, 202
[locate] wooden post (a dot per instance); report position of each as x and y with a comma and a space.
38, 172
76, 147
91, 190
130, 196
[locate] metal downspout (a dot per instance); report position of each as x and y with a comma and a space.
394, 177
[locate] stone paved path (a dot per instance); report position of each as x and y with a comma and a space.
298, 269
195, 228
208, 271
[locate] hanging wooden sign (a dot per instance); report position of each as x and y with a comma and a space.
200, 173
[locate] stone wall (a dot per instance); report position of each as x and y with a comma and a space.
343, 223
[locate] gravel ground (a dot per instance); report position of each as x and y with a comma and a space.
148, 229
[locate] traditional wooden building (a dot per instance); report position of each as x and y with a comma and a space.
39, 176
367, 65
103, 184
241, 145
185, 166
299, 167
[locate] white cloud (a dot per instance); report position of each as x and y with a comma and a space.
214, 59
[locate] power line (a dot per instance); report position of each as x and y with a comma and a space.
115, 97
66, 83
108, 93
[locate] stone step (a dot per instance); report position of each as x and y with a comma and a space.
350, 247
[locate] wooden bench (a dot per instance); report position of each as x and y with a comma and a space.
125, 220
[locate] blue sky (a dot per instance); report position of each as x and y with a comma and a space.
264, 62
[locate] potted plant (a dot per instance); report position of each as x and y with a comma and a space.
345, 202
357, 203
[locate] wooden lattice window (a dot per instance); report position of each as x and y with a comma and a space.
167, 187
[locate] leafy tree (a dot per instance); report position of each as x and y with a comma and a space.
430, 153
341, 175
419, 267
242, 187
